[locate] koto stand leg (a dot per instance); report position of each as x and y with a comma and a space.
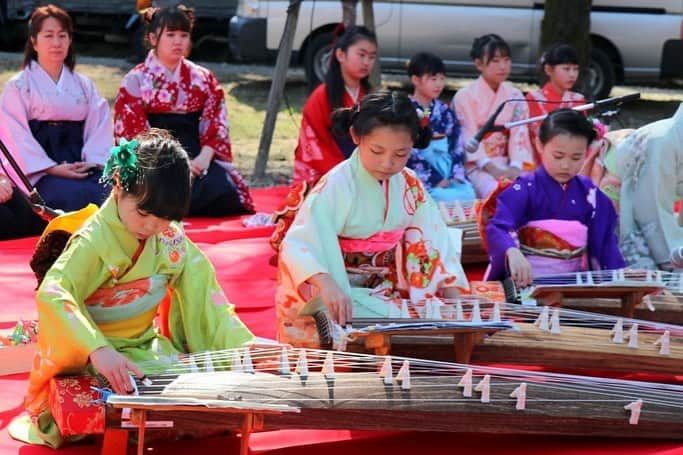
379, 343
252, 422
629, 303
141, 417
463, 345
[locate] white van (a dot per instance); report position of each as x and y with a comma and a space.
631, 40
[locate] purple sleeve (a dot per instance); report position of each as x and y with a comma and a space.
602, 238
511, 213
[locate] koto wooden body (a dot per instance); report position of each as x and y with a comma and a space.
363, 401
575, 348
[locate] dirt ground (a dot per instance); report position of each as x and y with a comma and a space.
247, 86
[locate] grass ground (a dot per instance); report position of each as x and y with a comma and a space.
247, 88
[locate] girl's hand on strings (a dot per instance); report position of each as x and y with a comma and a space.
520, 269
115, 367
338, 303
450, 293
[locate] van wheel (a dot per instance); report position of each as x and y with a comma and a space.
317, 59
600, 75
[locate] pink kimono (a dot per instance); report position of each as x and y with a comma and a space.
473, 105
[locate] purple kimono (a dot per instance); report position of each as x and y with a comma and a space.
536, 198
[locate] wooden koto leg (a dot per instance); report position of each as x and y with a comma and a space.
463, 345
252, 422
629, 302
379, 343
140, 418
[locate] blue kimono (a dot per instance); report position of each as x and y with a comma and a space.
444, 158
570, 224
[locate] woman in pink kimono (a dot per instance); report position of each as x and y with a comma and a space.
53, 120
500, 154
369, 231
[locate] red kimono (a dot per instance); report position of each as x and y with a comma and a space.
318, 150
538, 107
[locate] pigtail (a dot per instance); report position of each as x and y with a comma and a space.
342, 119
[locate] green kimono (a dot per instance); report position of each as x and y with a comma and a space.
104, 290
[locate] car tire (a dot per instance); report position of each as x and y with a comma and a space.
317, 58
600, 74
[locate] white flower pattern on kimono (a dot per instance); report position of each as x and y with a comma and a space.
591, 198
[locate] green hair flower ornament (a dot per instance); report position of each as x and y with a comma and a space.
122, 163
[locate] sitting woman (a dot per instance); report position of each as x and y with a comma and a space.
97, 303
170, 92
562, 222
368, 231
53, 119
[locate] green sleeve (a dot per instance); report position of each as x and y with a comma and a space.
65, 323
201, 318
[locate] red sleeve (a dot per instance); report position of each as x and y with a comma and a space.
214, 121
317, 149
130, 117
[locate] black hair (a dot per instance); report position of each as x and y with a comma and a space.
163, 186
334, 81
566, 121
382, 108
425, 63
35, 24
178, 17
559, 54
485, 47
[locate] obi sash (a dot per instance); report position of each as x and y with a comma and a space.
61, 140
184, 127
554, 246
377, 243
369, 261
127, 309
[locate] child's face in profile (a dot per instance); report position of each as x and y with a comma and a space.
563, 155
141, 224
429, 86
563, 76
495, 70
384, 151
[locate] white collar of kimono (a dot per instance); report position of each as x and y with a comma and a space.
360, 170
153, 63
38, 71
486, 88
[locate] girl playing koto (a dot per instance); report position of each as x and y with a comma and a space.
97, 303
368, 231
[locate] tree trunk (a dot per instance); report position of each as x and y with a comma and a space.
369, 22
349, 13
568, 22
276, 88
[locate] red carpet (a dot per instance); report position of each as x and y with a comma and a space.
241, 256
